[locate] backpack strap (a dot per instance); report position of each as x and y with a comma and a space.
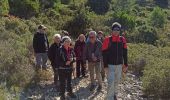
110, 41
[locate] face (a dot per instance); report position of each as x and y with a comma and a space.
57, 40
115, 32
92, 38
67, 43
42, 30
100, 35
81, 38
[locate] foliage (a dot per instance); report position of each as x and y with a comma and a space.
158, 18
78, 24
4, 7
24, 8
127, 21
146, 34
99, 6
162, 3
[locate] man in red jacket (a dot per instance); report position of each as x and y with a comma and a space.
114, 51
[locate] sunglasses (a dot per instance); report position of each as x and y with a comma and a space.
91, 37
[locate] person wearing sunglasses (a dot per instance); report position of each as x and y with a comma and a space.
41, 46
93, 55
114, 51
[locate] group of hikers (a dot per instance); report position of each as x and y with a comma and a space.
106, 57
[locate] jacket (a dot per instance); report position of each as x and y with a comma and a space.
79, 49
93, 49
53, 53
64, 56
114, 51
40, 43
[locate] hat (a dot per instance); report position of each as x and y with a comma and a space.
116, 26
41, 27
100, 32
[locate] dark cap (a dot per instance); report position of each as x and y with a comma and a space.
41, 27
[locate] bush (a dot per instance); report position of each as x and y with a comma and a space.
127, 21
65, 1
78, 24
156, 78
158, 18
146, 34
24, 8
99, 6
4, 7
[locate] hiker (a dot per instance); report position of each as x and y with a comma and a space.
41, 45
53, 55
66, 58
93, 54
79, 49
115, 59
100, 36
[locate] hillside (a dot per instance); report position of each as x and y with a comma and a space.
145, 22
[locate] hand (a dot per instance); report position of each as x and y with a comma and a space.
125, 68
106, 71
94, 58
68, 62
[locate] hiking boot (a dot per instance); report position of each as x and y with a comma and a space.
62, 97
72, 95
115, 97
99, 88
92, 87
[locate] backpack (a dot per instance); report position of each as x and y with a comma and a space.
110, 41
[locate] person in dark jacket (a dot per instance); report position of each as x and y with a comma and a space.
79, 49
93, 55
100, 36
53, 53
41, 46
65, 60
115, 59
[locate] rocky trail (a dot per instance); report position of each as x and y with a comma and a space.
130, 89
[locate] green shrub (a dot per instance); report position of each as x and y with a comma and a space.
99, 6
127, 21
78, 24
65, 1
4, 7
156, 78
146, 34
24, 8
158, 18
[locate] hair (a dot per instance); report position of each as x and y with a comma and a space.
66, 38
57, 35
92, 33
82, 36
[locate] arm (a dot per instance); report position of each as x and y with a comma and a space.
125, 51
125, 57
85, 53
105, 52
35, 40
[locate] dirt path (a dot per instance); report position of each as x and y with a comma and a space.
130, 89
